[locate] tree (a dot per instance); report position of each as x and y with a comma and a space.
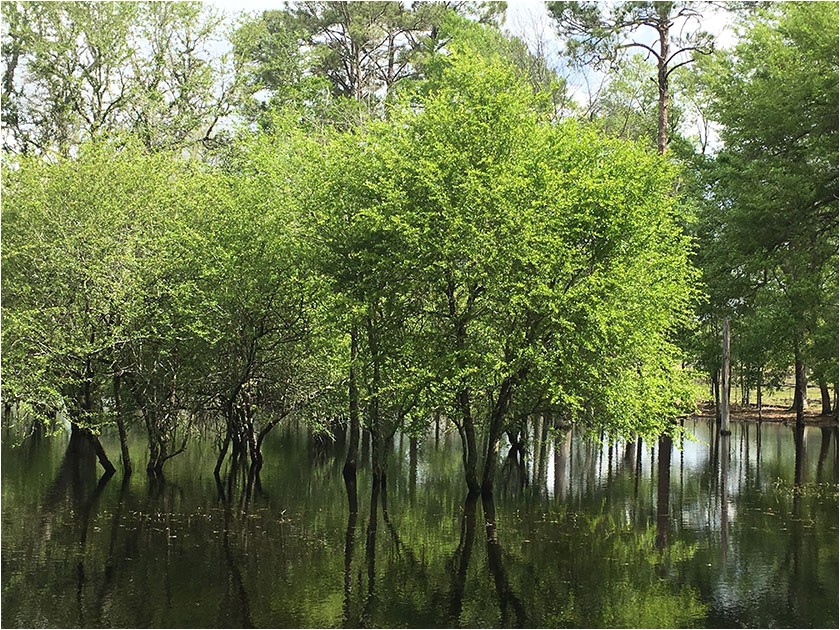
269, 351
340, 62
84, 238
534, 258
73, 71
600, 33
775, 181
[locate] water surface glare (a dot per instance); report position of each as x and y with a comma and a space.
582, 535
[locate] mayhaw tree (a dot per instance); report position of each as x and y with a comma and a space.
89, 253
548, 261
267, 352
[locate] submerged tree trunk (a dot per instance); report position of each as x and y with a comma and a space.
377, 437
663, 490
85, 401
126, 458
93, 439
350, 464
223, 451
497, 417
468, 443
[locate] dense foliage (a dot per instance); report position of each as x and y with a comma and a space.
401, 228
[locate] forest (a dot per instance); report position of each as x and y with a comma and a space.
385, 221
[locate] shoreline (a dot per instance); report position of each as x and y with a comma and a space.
769, 413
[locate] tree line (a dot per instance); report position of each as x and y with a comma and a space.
371, 215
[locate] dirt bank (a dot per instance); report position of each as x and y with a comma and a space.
784, 415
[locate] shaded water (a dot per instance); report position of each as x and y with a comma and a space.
612, 535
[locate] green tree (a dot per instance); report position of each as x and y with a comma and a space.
73, 71
602, 33
775, 180
84, 246
268, 350
340, 61
546, 270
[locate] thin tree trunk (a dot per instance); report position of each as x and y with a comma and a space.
221, 458
836, 397
800, 399
825, 396
724, 389
350, 464
118, 414
470, 448
664, 96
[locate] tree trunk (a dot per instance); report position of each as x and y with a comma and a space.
350, 464
724, 388
468, 443
662, 83
497, 417
126, 458
663, 491
100, 453
376, 434
225, 444
800, 397
825, 396
542, 469
836, 397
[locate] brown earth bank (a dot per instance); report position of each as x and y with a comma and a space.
769, 413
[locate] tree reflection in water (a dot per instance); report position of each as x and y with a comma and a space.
738, 545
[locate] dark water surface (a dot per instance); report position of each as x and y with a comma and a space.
601, 536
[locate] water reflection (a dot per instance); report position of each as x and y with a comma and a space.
729, 531
509, 602
460, 560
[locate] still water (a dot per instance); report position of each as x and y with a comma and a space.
601, 536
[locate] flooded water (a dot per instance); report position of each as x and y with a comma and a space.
734, 533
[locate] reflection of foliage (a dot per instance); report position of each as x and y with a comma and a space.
601, 573
827, 491
589, 561
657, 607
